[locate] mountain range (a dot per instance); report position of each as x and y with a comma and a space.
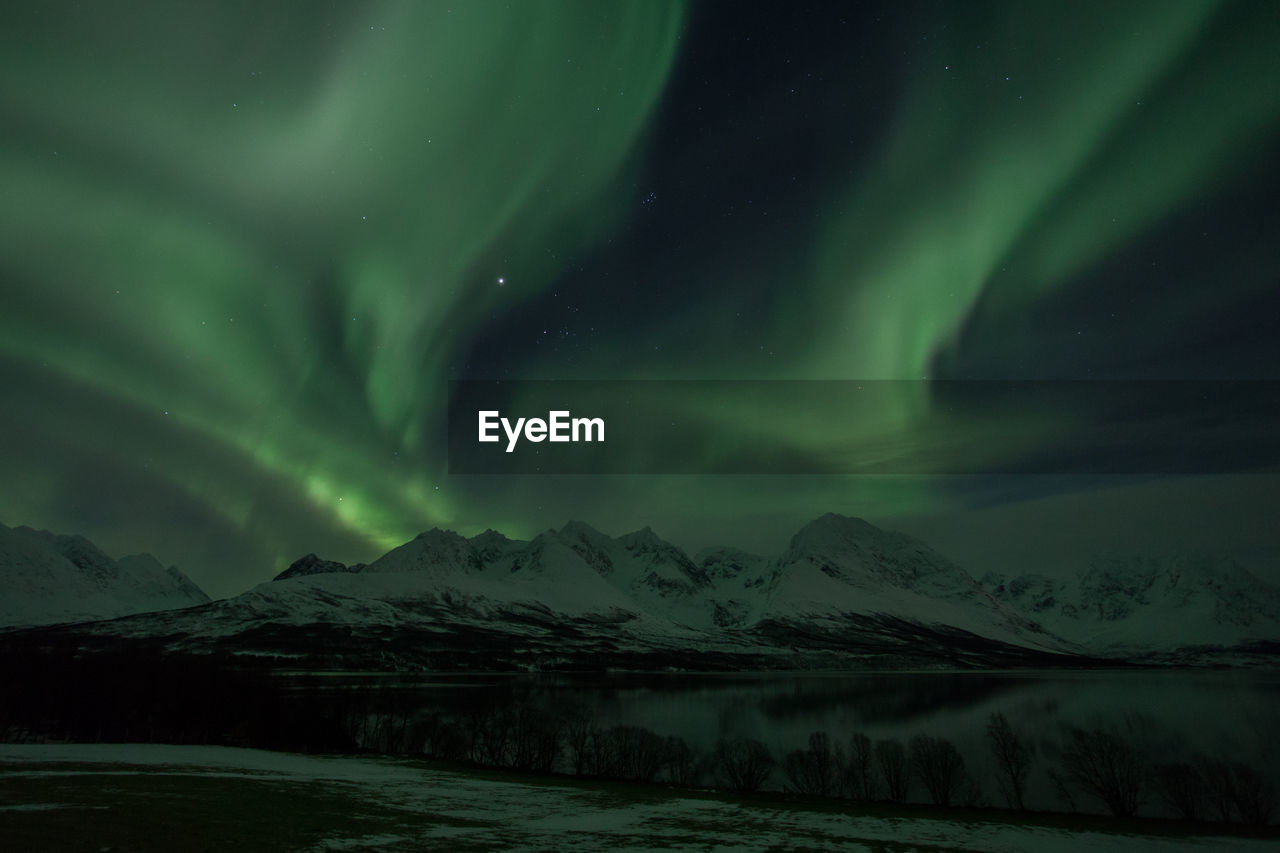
1124, 606
844, 593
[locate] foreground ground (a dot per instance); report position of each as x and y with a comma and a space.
156, 797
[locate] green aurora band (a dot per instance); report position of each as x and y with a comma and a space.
242, 249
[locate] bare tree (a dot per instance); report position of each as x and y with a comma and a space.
441, 737
891, 759
742, 764
391, 723
1105, 767
602, 753
1182, 787
578, 728
680, 762
1255, 797
486, 733
497, 730
1220, 784
859, 772
1063, 790
640, 752
812, 770
535, 740
1013, 759
939, 765
1237, 788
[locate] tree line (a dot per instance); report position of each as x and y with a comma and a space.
133, 698
1093, 768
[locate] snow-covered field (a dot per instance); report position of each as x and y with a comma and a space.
389, 804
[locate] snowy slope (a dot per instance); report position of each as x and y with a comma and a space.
436, 575
48, 578
837, 565
739, 584
437, 553
858, 585
656, 575
843, 589
1122, 605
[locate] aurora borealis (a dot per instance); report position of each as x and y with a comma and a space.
245, 246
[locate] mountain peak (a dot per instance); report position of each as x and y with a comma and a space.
643, 536
856, 551
313, 565
492, 546
580, 530
837, 531
437, 534
670, 567
433, 551
842, 522
588, 543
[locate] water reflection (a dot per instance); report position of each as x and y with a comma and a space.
1167, 715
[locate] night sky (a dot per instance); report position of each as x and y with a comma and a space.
245, 246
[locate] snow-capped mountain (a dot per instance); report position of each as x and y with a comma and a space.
576, 572
49, 578
837, 565
1128, 605
834, 567
843, 593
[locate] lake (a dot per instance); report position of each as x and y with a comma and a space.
1168, 715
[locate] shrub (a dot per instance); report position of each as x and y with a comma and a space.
439, 737
742, 764
1012, 757
579, 729
535, 740
939, 765
859, 772
1105, 767
680, 762
1219, 785
488, 732
891, 759
1183, 789
640, 753
602, 754
813, 770
1255, 797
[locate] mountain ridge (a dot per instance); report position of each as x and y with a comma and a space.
836, 569
51, 578
844, 592
1129, 603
